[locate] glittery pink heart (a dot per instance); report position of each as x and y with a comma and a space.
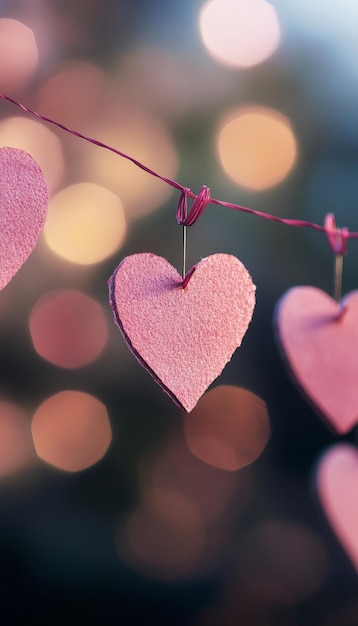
183, 337
23, 209
336, 483
319, 338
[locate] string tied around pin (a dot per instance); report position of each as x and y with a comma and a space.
185, 219
337, 240
200, 202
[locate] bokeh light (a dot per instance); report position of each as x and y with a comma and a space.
229, 428
144, 138
146, 75
43, 145
256, 146
283, 560
18, 54
217, 496
74, 94
172, 86
16, 449
165, 539
85, 224
68, 328
213, 491
71, 430
239, 33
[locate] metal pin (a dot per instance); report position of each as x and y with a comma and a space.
337, 276
183, 272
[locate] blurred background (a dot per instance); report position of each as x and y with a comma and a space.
115, 506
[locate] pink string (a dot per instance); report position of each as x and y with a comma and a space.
173, 183
203, 198
188, 277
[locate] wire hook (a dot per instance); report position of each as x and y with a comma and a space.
337, 240
188, 219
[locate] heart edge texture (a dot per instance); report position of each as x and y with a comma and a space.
45, 202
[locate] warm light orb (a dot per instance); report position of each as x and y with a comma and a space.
161, 79
39, 141
157, 77
229, 428
256, 147
71, 430
165, 539
68, 328
18, 54
144, 138
85, 223
74, 93
239, 33
177, 469
282, 557
16, 448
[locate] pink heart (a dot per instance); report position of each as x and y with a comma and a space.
319, 338
336, 481
183, 337
23, 208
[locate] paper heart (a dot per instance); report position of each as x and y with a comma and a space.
23, 208
319, 340
183, 337
336, 483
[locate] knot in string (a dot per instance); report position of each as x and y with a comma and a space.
337, 237
200, 202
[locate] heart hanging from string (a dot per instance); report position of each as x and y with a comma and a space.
182, 332
23, 209
319, 341
336, 481
22, 213
318, 337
